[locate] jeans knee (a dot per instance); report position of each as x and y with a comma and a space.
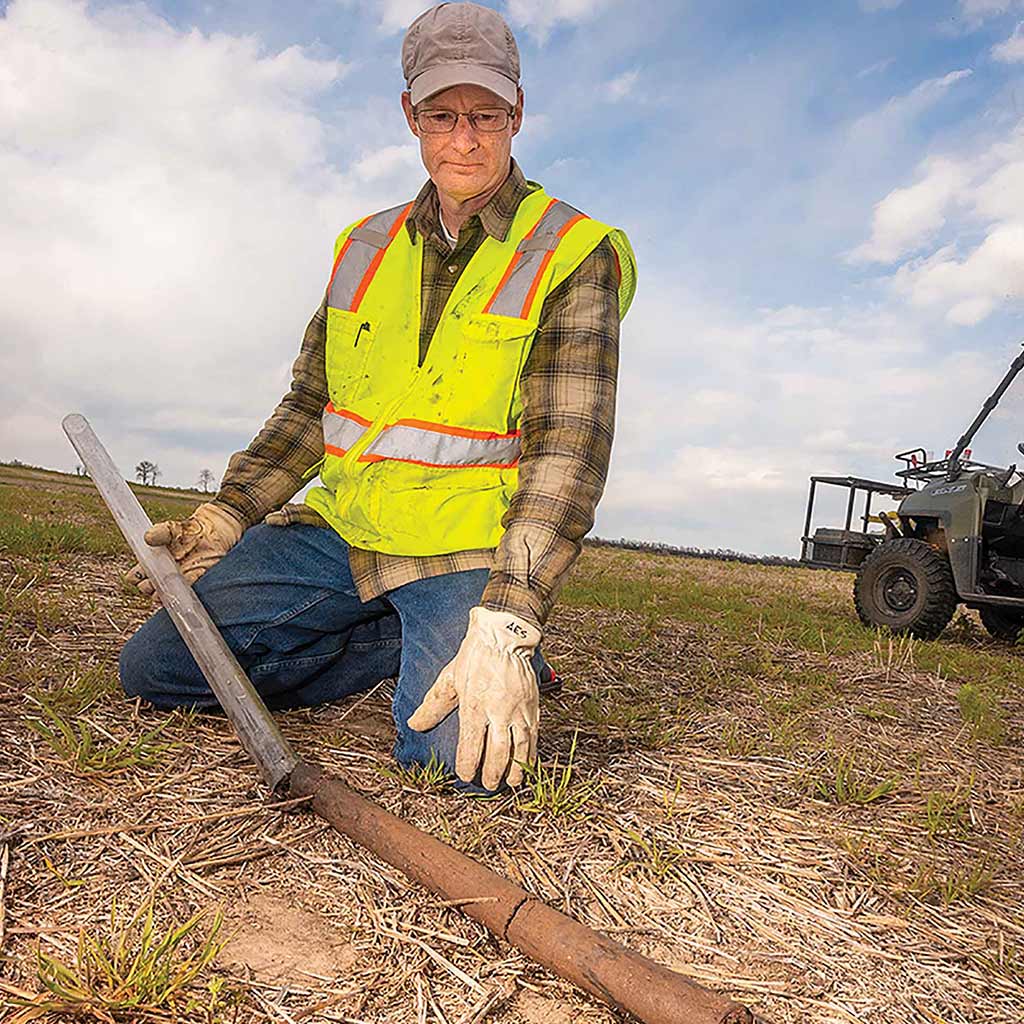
132, 666
432, 749
156, 665
417, 749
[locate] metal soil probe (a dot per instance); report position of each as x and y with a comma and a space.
600, 966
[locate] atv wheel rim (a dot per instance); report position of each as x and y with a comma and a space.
899, 590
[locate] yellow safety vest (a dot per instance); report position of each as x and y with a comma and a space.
422, 460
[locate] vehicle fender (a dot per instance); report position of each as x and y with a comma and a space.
956, 506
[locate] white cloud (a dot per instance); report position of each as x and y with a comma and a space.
539, 17
959, 232
877, 68
999, 179
721, 455
387, 162
622, 85
884, 126
398, 15
391, 15
972, 286
907, 217
928, 92
977, 11
168, 211
563, 170
1011, 51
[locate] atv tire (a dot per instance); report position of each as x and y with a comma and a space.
907, 586
1002, 623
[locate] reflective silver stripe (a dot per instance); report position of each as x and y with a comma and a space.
414, 444
358, 251
340, 432
511, 296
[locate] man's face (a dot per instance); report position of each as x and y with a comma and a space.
465, 162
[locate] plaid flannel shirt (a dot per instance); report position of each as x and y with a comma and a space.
568, 391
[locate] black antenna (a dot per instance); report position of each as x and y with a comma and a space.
953, 465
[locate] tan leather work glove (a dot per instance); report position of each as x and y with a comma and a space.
195, 543
292, 513
494, 686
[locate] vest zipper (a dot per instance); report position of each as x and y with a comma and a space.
364, 442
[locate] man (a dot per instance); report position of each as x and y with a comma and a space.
455, 392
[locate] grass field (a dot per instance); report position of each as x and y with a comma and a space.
737, 779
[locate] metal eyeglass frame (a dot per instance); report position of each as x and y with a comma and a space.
469, 116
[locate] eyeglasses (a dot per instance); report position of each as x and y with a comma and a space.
440, 122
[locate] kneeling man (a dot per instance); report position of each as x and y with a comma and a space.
456, 394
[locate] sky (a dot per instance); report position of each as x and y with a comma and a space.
825, 202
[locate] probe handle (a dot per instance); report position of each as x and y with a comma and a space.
244, 707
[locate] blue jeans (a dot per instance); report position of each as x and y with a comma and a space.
286, 604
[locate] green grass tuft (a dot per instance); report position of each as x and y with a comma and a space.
78, 692
89, 750
131, 971
954, 885
43, 539
638, 723
555, 789
947, 813
738, 740
651, 855
42, 524
981, 711
842, 782
432, 777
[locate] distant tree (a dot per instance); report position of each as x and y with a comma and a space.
154, 472
147, 471
205, 479
80, 470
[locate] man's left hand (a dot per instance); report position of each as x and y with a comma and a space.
494, 686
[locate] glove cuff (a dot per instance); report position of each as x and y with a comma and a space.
221, 521
503, 630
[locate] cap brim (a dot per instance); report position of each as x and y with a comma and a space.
435, 80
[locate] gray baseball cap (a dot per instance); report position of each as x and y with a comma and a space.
460, 44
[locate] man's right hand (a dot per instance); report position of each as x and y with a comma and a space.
195, 543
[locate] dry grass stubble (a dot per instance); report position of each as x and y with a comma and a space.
727, 727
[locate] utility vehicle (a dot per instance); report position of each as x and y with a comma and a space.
957, 536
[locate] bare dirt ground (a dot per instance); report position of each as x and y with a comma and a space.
822, 822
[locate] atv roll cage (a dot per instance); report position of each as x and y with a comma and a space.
919, 468
845, 548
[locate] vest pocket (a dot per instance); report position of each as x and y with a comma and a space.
494, 328
349, 338
494, 351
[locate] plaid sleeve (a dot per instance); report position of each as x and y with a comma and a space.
270, 471
568, 392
